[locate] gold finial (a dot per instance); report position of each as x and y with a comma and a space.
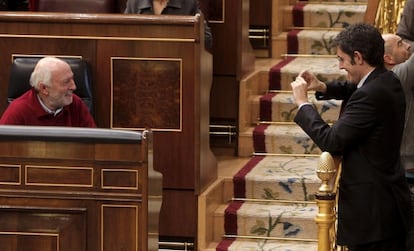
326, 171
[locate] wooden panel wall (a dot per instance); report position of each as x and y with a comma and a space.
233, 56
148, 72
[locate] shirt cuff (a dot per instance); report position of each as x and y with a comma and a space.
300, 106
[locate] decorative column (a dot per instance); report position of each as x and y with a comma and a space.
326, 200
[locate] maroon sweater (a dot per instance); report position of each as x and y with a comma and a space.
27, 110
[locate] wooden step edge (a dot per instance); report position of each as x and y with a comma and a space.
279, 202
212, 246
214, 197
313, 28
271, 238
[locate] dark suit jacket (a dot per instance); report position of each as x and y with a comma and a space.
373, 195
174, 7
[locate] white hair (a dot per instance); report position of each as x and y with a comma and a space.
42, 72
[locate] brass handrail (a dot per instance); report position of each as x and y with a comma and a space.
326, 198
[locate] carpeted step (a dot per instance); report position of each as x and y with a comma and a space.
282, 138
327, 15
232, 244
274, 130
278, 177
325, 68
276, 220
318, 23
279, 106
314, 42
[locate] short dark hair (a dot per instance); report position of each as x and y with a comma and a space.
364, 38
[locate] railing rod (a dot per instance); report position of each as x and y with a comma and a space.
223, 126
223, 133
259, 30
174, 245
258, 37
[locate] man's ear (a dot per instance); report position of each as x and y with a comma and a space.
358, 57
388, 59
43, 89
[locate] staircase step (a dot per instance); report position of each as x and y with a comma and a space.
324, 67
276, 138
275, 220
314, 42
327, 15
283, 138
245, 147
265, 245
279, 106
219, 222
278, 177
279, 45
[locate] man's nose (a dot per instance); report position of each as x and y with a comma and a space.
73, 85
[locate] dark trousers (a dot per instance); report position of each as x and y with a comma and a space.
396, 244
400, 242
410, 237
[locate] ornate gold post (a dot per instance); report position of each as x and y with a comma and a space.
326, 200
388, 15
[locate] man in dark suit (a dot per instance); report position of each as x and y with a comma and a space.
374, 210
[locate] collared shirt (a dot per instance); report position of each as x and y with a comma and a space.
361, 82
54, 113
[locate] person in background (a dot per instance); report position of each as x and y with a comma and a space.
405, 27
50, 101
374, 206
398, 58
169, 7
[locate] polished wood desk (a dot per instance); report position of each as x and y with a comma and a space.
148, 72
77, 189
